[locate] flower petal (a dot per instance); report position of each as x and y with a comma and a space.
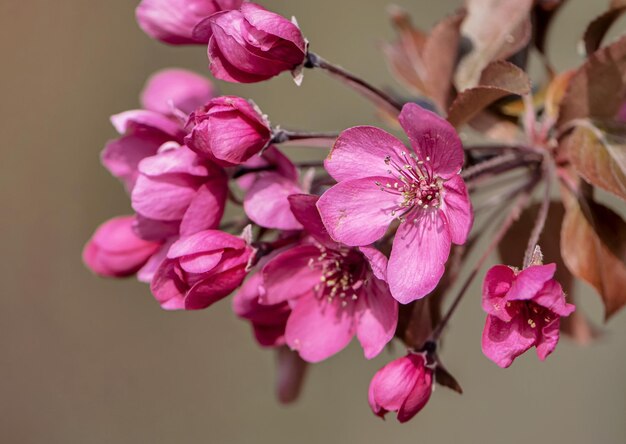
418, 256
391, 385
360, 152
458, 209
530, 281
357, 212
549, 339
288, 275
304, 208
433, 137
214, 288
418, 396
318, 329
377, 260
165, 198
504, 341
551, 296
267, 204
377, 313
206, 209
497, 283
168, 287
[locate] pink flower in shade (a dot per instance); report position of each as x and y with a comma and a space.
167, 97
229, 130
178, 192
252, 44
402, 386
523, 310
334, 291
266, 201
173, 21
268, 321
114, 250
200, 270
381, 180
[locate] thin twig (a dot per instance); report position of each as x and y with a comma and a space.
542, 216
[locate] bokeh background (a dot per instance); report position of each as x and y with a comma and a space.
87, 360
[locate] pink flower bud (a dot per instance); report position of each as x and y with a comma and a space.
173, 21
114, 250
252, 44
229, 130
402, 386
200, 270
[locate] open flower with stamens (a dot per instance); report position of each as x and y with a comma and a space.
381, 180
336, 292
524, 309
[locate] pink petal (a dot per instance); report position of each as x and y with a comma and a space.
458, 209
551, 296
168, 287
548, 339
418, 256
288, 275
418, 396
155, 230
274, 24
201, 262
377, 317
172, 89
204, 242
172, 161
357, 212
206, 209
433, 137
147, 272
290, 373
530, 281
497, 283
391, 385
164, 199
377, 260
360, 152
504, 341
267, 204
222, 69
215, 288
304, 208
318, 329
137, 121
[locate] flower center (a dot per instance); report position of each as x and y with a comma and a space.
415, 184
342, 275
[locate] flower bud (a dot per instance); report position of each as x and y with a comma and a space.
252, 44
229, 130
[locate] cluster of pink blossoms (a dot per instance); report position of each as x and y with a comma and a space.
312, 265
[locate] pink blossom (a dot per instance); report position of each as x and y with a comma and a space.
268, 321
252, 44
166, 96
402, 386
523, 310
114, 250
173, 21
381, 180
178, 192
334, 292
200, 270
229, 130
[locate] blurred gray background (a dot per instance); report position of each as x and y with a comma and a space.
87, 360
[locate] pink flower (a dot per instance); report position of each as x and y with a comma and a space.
173, 21
523, 310
335, 293
402, 386
381, 180
166, 96
177, 192
229, 130
114, 250
253, 44
268, 321
200, 270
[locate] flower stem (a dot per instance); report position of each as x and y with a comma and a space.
519, 205
281, 136
371, 92
542, 216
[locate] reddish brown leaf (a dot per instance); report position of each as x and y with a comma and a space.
599, 86
498, 80
597, 29
291, 370
593, 246
599, 155
543, 13
425, 63
444, 378
493, 29
496, 128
